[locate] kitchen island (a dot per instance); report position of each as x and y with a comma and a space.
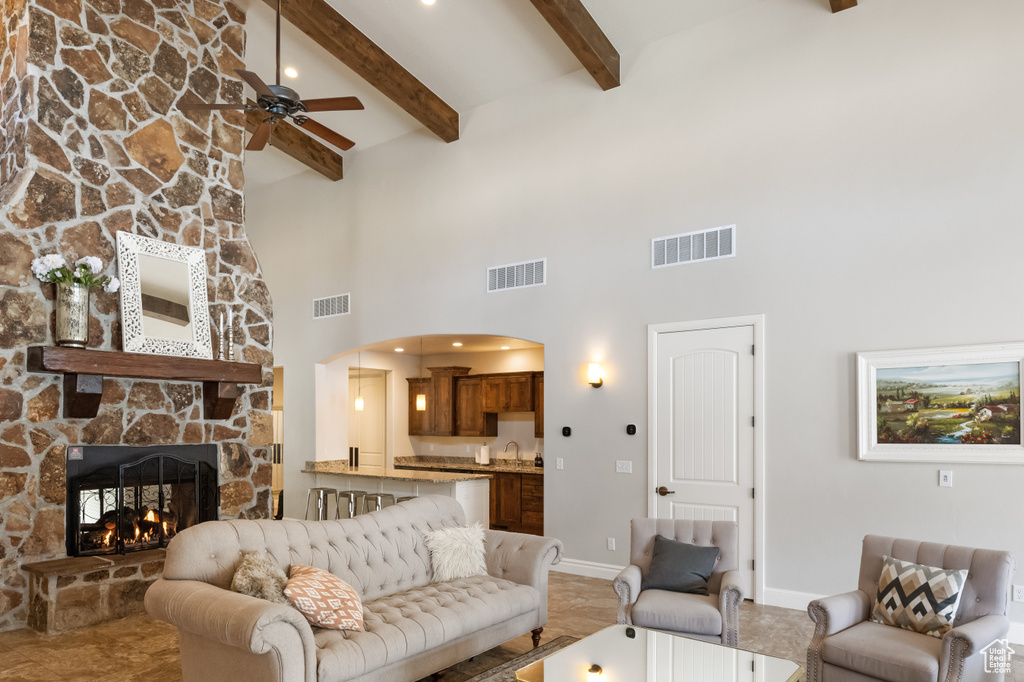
472, 491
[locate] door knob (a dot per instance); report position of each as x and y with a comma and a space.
663, 491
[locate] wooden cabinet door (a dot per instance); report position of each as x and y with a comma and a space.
442, 412
538, 406
532, 504
508, 505
470, 418
520, 394
419, 422
495, 394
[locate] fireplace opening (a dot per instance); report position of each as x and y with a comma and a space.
125, 499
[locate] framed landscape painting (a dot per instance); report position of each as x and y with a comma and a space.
954, 404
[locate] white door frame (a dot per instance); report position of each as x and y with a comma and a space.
757, 321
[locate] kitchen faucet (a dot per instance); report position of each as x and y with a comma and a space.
512, 442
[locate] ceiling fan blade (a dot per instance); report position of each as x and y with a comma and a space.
255, 82
260, 137
325, 133
203, 106
333, 104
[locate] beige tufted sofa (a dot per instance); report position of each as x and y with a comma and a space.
413, 627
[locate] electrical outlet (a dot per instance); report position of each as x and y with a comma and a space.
467, 449
611, 544
559, 463
431, 447
1018, 593
945, 478
623, 467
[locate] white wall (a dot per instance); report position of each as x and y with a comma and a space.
873, 163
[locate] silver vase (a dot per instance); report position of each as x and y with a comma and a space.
72, 315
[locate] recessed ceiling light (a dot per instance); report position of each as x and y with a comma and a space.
504, 347
291, 73
457, 344
399, 350
428, 3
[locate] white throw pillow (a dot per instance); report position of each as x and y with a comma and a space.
456, 552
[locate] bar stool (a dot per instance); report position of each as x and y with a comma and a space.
353, 502
375, 501
322, 496
407, 498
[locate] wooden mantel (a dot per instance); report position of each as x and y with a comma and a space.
84, 370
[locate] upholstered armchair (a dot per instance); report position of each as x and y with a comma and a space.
848, 647
715, 617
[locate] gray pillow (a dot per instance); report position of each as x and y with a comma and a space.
258, 576
679, 567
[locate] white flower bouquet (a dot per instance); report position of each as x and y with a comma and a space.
86, 272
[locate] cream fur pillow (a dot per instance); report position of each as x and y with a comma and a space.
456, 552
258, 576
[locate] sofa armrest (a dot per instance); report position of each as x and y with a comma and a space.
966, 640
520, 557
627, 586
835, 614
232, 619
730, 597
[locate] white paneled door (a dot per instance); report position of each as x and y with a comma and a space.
368, 428
704, 449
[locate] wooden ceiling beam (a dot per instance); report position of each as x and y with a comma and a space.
300, 146
581, 34
351, 47
840, 5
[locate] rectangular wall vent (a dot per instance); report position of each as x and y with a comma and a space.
331, 306
719, 242
517, 275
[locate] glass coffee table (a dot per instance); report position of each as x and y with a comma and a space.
626, 653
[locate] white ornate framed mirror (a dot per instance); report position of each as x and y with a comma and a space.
164, 308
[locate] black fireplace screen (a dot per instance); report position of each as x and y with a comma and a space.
129, 499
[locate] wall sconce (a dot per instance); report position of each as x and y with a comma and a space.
594, 375
594, 673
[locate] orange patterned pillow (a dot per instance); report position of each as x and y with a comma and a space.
324, 599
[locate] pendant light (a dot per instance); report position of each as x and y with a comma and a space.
421, 398
359, 393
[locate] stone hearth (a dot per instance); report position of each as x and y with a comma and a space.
93, 143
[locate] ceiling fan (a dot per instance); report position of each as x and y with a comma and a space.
279, 102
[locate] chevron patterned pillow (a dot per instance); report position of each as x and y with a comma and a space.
916, 597
324, 599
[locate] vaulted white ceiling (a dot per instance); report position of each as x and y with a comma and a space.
469, 52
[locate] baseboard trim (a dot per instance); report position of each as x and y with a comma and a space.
788, 599
791, 599
587, 569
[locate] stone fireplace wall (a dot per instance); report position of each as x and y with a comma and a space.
93, 143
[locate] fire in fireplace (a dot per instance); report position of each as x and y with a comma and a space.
124, 499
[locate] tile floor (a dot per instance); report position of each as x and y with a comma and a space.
144, 650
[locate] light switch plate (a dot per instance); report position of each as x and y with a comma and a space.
611, 544
623, 467
559, 463
945, 478
1018, 593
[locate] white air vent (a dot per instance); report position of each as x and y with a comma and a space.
691, 247
517, 275
331, 306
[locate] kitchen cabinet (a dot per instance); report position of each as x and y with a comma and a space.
442, 412
508, 392
470, 418
538, 405
517, 503
419, 422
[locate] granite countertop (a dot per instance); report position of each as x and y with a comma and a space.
340, 467
496, 465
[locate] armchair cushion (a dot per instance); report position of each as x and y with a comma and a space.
917, 597
680, 567
678, 612
884, 652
